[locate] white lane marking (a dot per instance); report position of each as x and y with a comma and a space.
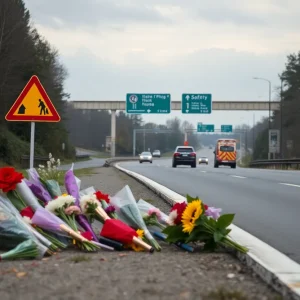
236, 176
203, 171
289, 184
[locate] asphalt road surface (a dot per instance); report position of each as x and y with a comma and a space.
266, 202
92, 163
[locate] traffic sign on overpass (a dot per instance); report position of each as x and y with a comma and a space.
205, 127
148, 103
226, 128
196, 104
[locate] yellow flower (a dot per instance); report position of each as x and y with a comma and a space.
192, 212
135, 247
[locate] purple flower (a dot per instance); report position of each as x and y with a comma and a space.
110, 209
213, 212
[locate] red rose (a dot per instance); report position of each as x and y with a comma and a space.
87, 235
205, 206
27, 212
179, 207
9, 179
101, 196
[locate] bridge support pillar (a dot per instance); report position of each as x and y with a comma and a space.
113, 133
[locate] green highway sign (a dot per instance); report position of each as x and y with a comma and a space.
205, 127
196, 104
148, 103
226, 128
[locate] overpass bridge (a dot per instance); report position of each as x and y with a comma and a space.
115, 105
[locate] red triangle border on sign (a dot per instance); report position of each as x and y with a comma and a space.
55, 116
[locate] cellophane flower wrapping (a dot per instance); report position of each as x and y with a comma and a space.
73, 187
4, 201
37, 187
49, 221
127, 207
27, 196
157, 219
25, 250
64, 207
13, 231
53, 188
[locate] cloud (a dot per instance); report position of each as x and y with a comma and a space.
76, 13
171, 46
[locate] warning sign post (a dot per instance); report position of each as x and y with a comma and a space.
33, 105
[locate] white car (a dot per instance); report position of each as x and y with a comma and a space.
203, 160
156, 153
145, 157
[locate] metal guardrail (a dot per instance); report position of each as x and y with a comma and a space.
276, 163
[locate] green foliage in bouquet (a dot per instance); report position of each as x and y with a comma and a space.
193, 221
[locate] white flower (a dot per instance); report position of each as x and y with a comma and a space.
27, 220
172, 217
58, 162
41, 166
60, 202
52, 160
86, 199
50, 155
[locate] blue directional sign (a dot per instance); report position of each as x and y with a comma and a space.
196, 104
148, 103
205, 127
226, 128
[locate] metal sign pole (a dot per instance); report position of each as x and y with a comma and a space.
32, 133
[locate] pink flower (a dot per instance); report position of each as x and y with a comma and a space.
213, 212
72, 210
155, 211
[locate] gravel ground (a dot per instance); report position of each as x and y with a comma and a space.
170, 274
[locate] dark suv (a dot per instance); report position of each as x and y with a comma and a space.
184, 155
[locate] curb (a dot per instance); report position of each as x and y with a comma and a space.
109, 162
274, 268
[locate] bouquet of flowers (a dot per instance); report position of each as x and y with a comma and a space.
13, 232
64, 207
156, 221
127, 208
46, 220
72, 187
107, 206
192, 221
152, 215
25, 250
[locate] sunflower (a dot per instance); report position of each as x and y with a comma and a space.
192, 212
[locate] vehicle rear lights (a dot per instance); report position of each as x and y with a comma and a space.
176, 154
193, 154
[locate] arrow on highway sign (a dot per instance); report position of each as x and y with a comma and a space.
149, 110
187, 97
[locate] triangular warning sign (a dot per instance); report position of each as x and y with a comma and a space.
33, 105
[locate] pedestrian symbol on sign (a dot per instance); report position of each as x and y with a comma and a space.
133, 100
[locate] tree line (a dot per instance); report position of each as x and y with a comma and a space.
23, 53
89, 129
286, 119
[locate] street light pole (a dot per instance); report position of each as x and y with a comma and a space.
281, 108
270, 93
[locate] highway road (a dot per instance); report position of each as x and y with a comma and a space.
92, 163
266, 202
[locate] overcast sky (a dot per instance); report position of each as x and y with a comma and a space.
172, 46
